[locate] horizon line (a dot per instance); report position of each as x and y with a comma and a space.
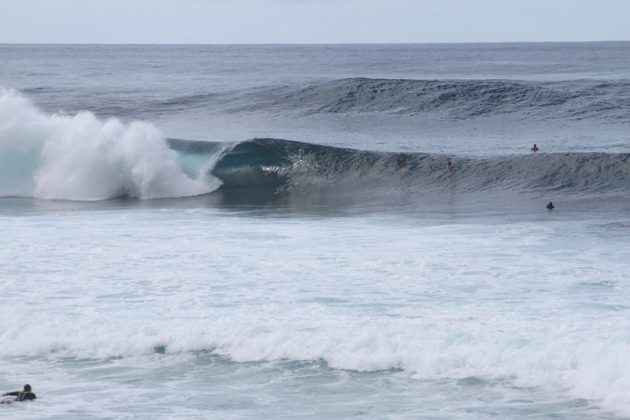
309, 43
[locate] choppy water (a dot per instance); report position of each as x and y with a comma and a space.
264, 232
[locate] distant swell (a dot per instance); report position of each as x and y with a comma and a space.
450, 99
457, 99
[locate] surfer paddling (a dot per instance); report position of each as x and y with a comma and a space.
25, 395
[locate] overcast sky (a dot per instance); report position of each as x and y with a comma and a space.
311, 21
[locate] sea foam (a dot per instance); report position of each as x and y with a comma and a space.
80, 157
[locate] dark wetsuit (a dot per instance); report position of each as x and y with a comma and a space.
22, 395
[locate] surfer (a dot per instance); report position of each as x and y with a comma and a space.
534, 148
24, 395
402, 162
550, 206
449, 166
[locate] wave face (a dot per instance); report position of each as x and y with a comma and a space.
290, 167
455, 99
83, 158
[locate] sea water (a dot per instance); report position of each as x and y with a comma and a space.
230, 232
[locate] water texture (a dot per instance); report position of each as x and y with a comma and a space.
238, 232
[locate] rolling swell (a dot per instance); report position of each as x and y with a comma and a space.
453, 99
284, 167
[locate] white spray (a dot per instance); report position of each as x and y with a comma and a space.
81, 157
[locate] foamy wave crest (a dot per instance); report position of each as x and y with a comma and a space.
578, 366
81, 157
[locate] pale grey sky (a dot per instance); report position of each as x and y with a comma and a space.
311, 21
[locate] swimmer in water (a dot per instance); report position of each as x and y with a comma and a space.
534, 148
24, 395
550, 206
402, 162
449, 166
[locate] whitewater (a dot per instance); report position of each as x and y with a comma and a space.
271, 231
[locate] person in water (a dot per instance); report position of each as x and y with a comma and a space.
449, 166
534, 148
402, 162
550, 206
24, 395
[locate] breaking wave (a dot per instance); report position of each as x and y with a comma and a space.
289, 166
81, 157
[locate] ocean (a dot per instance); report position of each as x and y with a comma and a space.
271, 231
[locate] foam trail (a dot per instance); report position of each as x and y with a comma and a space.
81, 157
580, 367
